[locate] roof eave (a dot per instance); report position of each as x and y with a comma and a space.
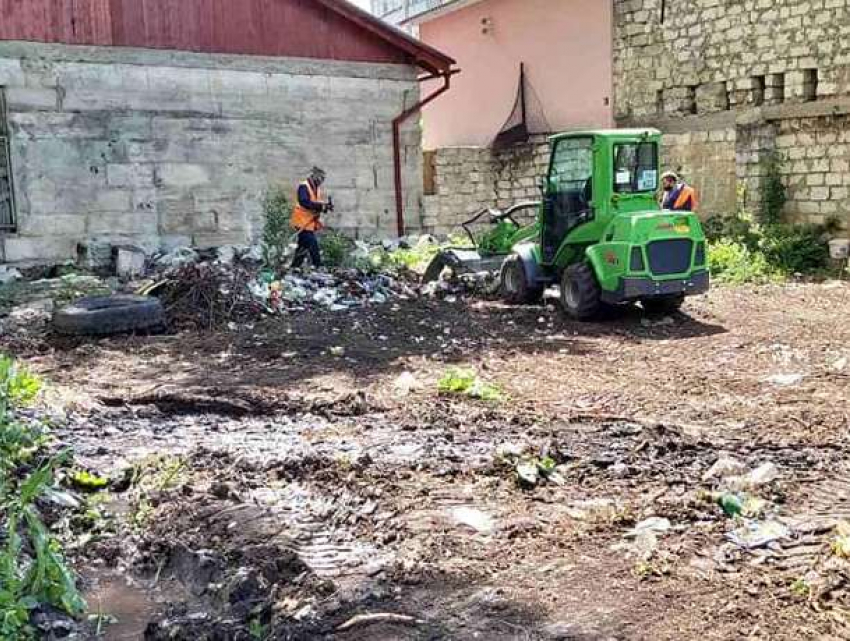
423, 55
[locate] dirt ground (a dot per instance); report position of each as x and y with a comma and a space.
311, 486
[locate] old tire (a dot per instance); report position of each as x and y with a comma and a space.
435, 269
580, 293
103, 315
664, 305
514, 285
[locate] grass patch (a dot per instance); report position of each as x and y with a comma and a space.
467, 383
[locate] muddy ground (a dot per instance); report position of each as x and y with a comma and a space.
290, 483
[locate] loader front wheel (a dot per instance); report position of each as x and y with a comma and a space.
580, 292
514, 284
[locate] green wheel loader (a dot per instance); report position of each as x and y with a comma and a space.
600, 233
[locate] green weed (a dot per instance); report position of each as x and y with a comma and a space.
467, 382
801, 588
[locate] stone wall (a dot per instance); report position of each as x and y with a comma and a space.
467, 179
164, 148
730, 81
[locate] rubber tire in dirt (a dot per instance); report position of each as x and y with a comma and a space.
104, 315
665, 305
580, 292
435, 268
514, 285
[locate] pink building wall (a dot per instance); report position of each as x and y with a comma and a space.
566, 46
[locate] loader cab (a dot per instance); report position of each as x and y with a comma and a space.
592, 177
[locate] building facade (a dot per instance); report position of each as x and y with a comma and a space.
164, 123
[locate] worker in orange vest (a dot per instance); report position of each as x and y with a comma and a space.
678, 195
309, 206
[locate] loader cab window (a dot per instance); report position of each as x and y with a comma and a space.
635, 167
570, 193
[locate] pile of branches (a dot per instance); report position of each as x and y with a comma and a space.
208, 296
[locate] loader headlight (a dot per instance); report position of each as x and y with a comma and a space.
636, 263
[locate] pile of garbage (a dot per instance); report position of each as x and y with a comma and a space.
233, 286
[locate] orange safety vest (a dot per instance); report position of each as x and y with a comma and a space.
303, 219
686, 194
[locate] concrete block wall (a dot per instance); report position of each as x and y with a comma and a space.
468, 179
731, 81
164, 148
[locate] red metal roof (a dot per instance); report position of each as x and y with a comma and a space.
323, 29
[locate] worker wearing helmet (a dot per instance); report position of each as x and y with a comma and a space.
306, 214
678, 195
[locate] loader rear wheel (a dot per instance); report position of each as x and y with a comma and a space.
580, 293
665, 305
514, 284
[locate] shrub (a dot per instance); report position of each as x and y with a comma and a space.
734, 262
276, 229
337, 249
795, 250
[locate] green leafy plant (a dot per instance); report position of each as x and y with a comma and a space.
467, 382
774, 194
801, 588
796, 250
337, 249
87, 481
277, 211
734, 262
32, 567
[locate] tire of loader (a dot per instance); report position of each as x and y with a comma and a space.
580, 292
514, 285
104, 315
665, 305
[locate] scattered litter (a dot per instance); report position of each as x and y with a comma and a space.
763, 474
654, 524
758, 534
723, 467
405, 384
8, 274
784, 380
382, 617
840, 365
178, 257
130, 262
337, 351
479, 521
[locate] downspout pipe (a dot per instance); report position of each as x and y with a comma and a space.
397, 122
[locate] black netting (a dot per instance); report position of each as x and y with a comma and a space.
526, 118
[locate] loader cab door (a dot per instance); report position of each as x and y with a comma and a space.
568, 198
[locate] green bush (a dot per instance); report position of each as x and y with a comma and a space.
337, 249
277, 212
795, 250
732, 261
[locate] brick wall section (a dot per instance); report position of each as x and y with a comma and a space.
730, 81
164, 148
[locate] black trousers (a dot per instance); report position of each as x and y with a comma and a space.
308, 245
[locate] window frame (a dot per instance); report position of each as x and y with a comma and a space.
633, 185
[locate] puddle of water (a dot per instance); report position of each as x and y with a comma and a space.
130, 604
